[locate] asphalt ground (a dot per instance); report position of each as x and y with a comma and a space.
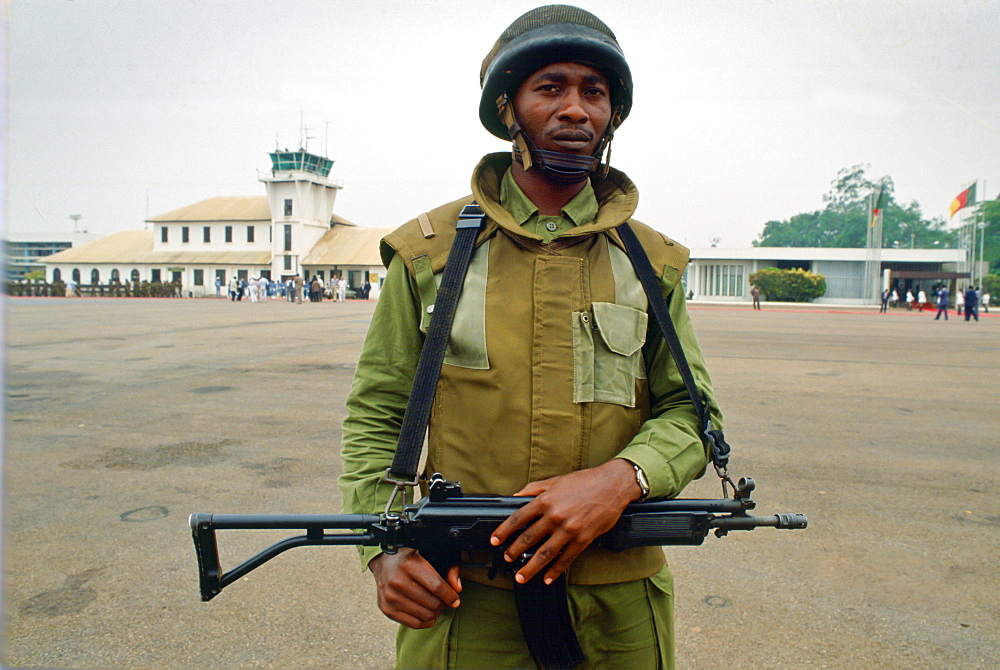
125, 415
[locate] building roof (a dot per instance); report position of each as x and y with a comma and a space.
828, 254
125, 246
136, 246
347, 246
239, 208
209, 258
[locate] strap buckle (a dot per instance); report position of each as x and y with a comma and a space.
471, 216
400, 487
720, 457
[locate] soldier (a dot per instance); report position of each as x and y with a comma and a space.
556, 383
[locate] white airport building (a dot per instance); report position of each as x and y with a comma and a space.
290, 231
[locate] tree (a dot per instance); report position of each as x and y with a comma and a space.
845, 219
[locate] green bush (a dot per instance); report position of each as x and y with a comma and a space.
788, 285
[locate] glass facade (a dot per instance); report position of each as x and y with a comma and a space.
303, 161
722, 280
24, 256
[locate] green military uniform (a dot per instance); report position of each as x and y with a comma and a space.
553, 366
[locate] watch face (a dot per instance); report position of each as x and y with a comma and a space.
640, 478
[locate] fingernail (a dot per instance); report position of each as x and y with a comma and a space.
456, 603
548, 580
519, 578
495, 541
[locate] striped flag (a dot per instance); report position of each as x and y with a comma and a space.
963, 199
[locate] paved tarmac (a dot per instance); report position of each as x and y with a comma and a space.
123, 416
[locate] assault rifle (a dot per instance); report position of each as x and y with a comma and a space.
446, 523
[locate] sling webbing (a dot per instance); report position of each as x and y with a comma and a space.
418, 409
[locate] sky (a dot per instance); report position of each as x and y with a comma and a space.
744, 112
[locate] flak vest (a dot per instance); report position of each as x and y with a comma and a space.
544, 370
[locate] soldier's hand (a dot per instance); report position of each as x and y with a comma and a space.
567, 514
410, 591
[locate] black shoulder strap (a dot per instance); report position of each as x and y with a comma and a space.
644, 270
411, 437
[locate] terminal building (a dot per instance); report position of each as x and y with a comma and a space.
24, 252
290, 231
722, 275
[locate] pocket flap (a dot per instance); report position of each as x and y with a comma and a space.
623, 329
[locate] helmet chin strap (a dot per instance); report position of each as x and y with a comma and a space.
560, 167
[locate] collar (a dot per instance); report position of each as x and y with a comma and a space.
616, 197
580, 210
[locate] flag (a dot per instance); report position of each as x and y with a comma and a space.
963, 199
881, 199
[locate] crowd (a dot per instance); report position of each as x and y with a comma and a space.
293, 289
969, 301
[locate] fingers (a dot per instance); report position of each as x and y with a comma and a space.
514, 523
410, 591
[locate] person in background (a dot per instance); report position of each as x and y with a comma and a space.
971, 303
943, 302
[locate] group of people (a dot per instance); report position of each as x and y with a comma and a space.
293, 289
967, 302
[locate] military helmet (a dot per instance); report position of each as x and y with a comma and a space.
552, 34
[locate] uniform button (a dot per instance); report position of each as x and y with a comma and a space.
430, 309
551, 226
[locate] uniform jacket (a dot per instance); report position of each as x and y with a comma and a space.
553, 363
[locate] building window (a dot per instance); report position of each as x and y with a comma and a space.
115, 276
288, 262
199, 277
288, 206
249, 233
229, 233
241, 275
288, 237
185, 237
163, 235
206, 234
154, 276
220, 276
722, 281
76, 275
56, 275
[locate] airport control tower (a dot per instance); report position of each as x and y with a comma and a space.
301, 196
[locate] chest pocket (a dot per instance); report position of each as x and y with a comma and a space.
607, 353
608, 339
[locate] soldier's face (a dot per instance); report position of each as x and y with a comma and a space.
564, 107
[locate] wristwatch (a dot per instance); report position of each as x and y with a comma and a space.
640, 479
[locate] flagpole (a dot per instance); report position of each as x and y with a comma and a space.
869, 281
982, 239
